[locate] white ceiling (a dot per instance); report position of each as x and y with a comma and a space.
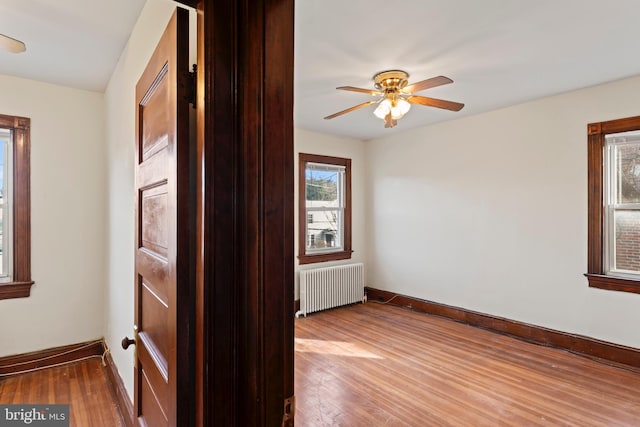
73, 43
498, 52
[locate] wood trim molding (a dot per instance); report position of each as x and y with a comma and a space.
45, 358
324, 257
15, 290
614, 126
245, 257
119, 390
607, 352
595, 225
190, 3
612, 283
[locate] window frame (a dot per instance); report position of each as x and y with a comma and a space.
324, 256
596, 263
20, 284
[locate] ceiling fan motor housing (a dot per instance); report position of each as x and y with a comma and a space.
391, 81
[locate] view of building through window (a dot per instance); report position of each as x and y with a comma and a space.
622, 196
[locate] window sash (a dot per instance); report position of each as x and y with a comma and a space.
340, 199
323, 167
611, 244
612, 196
6, 209
339, 209
339, 237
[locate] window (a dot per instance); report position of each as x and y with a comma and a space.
325, 202
614, 205
15, 209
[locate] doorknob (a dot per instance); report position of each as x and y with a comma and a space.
126, 342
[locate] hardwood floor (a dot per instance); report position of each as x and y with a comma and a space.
377, 365
83, 385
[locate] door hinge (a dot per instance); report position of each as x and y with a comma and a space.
136, 340
289, 411
192, 85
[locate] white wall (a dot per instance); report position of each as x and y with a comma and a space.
67, 217
489, 213
327, 145
120, 122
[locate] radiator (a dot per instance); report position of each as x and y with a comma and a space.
328, 287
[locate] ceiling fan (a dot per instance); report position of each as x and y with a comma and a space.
10, 44
396, 96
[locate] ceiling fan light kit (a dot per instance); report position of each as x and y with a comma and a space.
9, 44
397, 107
396, 96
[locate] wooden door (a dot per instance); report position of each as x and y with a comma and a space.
163, 268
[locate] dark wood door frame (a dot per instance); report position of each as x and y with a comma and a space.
244, 290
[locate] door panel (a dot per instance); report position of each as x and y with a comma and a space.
154, 414
163, 280
154, 324
154, 227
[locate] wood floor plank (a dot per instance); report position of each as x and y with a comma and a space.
83, 385
379, 365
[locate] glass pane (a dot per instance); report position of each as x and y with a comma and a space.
627, 173
323, 188
3, 145
627, 240
4, 140
323, 229
2, 263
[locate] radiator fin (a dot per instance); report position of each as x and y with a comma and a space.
329, 287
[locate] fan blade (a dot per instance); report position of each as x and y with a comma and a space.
426, 84
10, 44
433, 102
348, 110
357, 89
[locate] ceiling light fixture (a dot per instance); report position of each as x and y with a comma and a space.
12, 45
393, 105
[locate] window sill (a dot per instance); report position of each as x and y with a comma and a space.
613, 283
331, 256
15, 290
